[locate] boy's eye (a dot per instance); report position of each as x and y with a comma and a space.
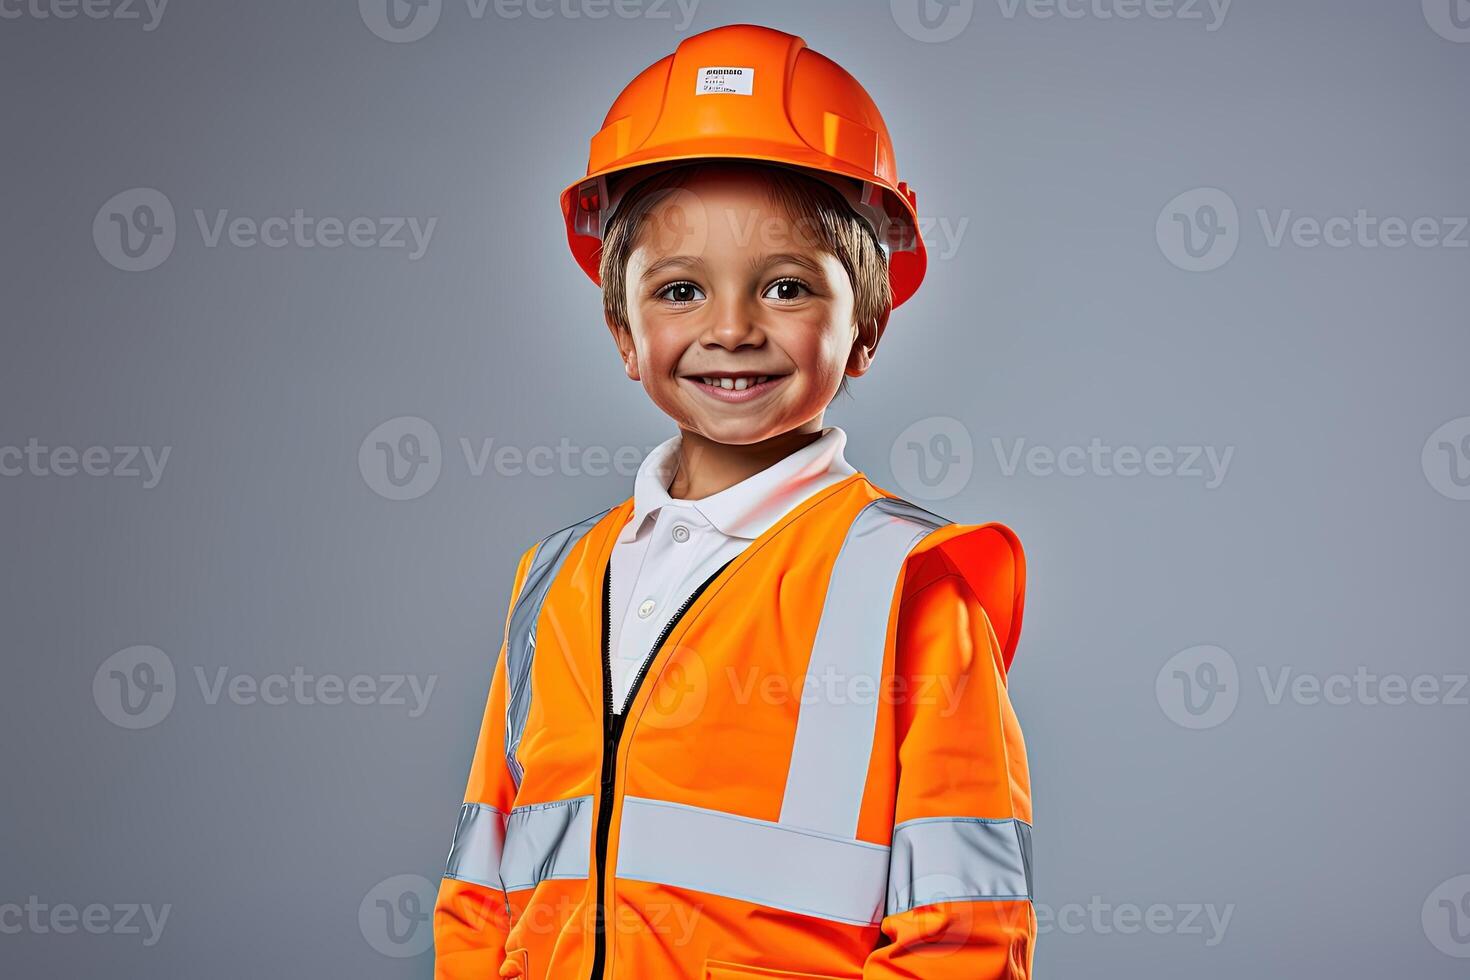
680, 292
786, 290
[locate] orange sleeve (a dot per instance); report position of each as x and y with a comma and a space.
470, 916
963, 811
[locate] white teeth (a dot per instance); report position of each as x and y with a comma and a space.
736, 384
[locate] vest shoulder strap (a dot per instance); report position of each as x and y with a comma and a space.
834, 737
520, 643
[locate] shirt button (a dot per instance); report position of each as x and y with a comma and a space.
646, 609
681, 533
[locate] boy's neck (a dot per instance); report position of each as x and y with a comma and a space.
706, 467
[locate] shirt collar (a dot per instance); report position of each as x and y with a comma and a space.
748, 508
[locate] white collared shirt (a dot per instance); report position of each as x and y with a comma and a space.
668, 547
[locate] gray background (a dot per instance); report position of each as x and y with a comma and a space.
1060, 317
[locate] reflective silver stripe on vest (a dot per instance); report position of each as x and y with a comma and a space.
958, 859
752, 860
479, 838
520, 645
547, 840
833, 746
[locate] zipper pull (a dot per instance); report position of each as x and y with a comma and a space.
609, 752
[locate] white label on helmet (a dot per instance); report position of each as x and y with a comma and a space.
724, 81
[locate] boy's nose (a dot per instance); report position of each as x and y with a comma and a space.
735, 324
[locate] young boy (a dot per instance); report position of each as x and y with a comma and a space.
752, 721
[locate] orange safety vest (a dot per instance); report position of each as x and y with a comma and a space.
818, 773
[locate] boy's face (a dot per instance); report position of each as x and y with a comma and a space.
722, 282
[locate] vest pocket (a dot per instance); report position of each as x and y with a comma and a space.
722, 970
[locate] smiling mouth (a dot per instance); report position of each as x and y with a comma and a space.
732, 388
736, 383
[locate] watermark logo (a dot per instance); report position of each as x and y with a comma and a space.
1450, 19
1199, 230
1446, 459
135, 688
1198, 687
1446, 917
394, 916
681, 692
401, 459
135, 229
400, 21
675, 219
932, 21
933, 458
960, 924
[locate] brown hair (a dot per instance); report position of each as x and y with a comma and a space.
818, 210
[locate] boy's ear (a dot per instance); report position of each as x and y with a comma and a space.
623, 337
865, 344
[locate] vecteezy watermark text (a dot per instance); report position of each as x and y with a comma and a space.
1209, 12
1201, 229
306, 231
1103, 918
934, 458
403, 458
135, 230
302, 687
63, 918
150, 12
1206, 463
404, 21
1200, 687
122, 462
136, 688
936, 21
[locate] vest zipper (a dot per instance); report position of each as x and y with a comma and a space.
612, 733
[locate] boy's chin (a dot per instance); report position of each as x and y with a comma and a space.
733, 423
739, 431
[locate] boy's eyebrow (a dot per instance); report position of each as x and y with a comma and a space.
667, 261
760, 261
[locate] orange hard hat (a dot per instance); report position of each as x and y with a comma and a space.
745, 92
